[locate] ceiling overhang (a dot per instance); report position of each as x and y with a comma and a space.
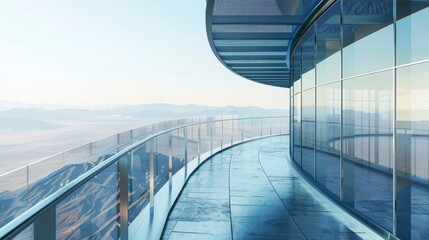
253, 38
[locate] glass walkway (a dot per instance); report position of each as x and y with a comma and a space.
250, 191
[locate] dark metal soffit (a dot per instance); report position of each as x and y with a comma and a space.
253, 38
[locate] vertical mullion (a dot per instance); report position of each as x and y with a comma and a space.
185, 142
123, 194
315, 103
211, 137
394, 122
151, 175
300, 107
341, 102
232, 132
170, 159
199, 144
221, 134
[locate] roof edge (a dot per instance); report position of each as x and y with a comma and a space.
209, 14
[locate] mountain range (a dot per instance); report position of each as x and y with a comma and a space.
28, 117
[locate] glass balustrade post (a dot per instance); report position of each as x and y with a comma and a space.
151, 175
211, 138
199, 143
45, 225
232, 131
242, 130
170, 159
261, 127
91, 149
28, 177
221, 134
185, 139
123, 194
117, 142
251, 131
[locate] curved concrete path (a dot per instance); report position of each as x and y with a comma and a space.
251, 192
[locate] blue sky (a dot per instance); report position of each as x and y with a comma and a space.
93, 52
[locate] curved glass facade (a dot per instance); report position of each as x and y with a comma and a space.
360, 110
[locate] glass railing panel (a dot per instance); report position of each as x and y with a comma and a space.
264, 125
103, 145
178, 151
14, 195
274, 125
91, 211
217, 134
50, 166
138, 181
26, 234
247, 124
141, 132
161, 167
205, 137
238, 125
282, 126
124, 137
226, 138
192, 142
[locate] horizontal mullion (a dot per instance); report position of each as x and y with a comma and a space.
251, 35
265, 68
251, 48
254, 57
258, 19
257, 65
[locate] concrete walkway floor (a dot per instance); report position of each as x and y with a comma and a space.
250, 191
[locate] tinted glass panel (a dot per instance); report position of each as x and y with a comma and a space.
297, 129
328, 46
308, 51
412, 151
328, 136
297, 68
412, 31
308, 131
367, 144
368, 36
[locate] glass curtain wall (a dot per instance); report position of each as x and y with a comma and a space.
360, 107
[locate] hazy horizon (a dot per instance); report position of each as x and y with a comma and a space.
30, 134
6, 104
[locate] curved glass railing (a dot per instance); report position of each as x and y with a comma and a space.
108, 189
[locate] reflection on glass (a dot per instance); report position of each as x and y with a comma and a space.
296, 73
327, 136
412, 31
367, 146
328, 56
292, 133
161, 161
308, 131
138, 181
368, 36
91, 211
297, 129
308, 47
412, 151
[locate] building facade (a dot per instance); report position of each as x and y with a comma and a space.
360, 110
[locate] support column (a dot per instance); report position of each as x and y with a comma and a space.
123, 195
170, 159
151, 175
45, 225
